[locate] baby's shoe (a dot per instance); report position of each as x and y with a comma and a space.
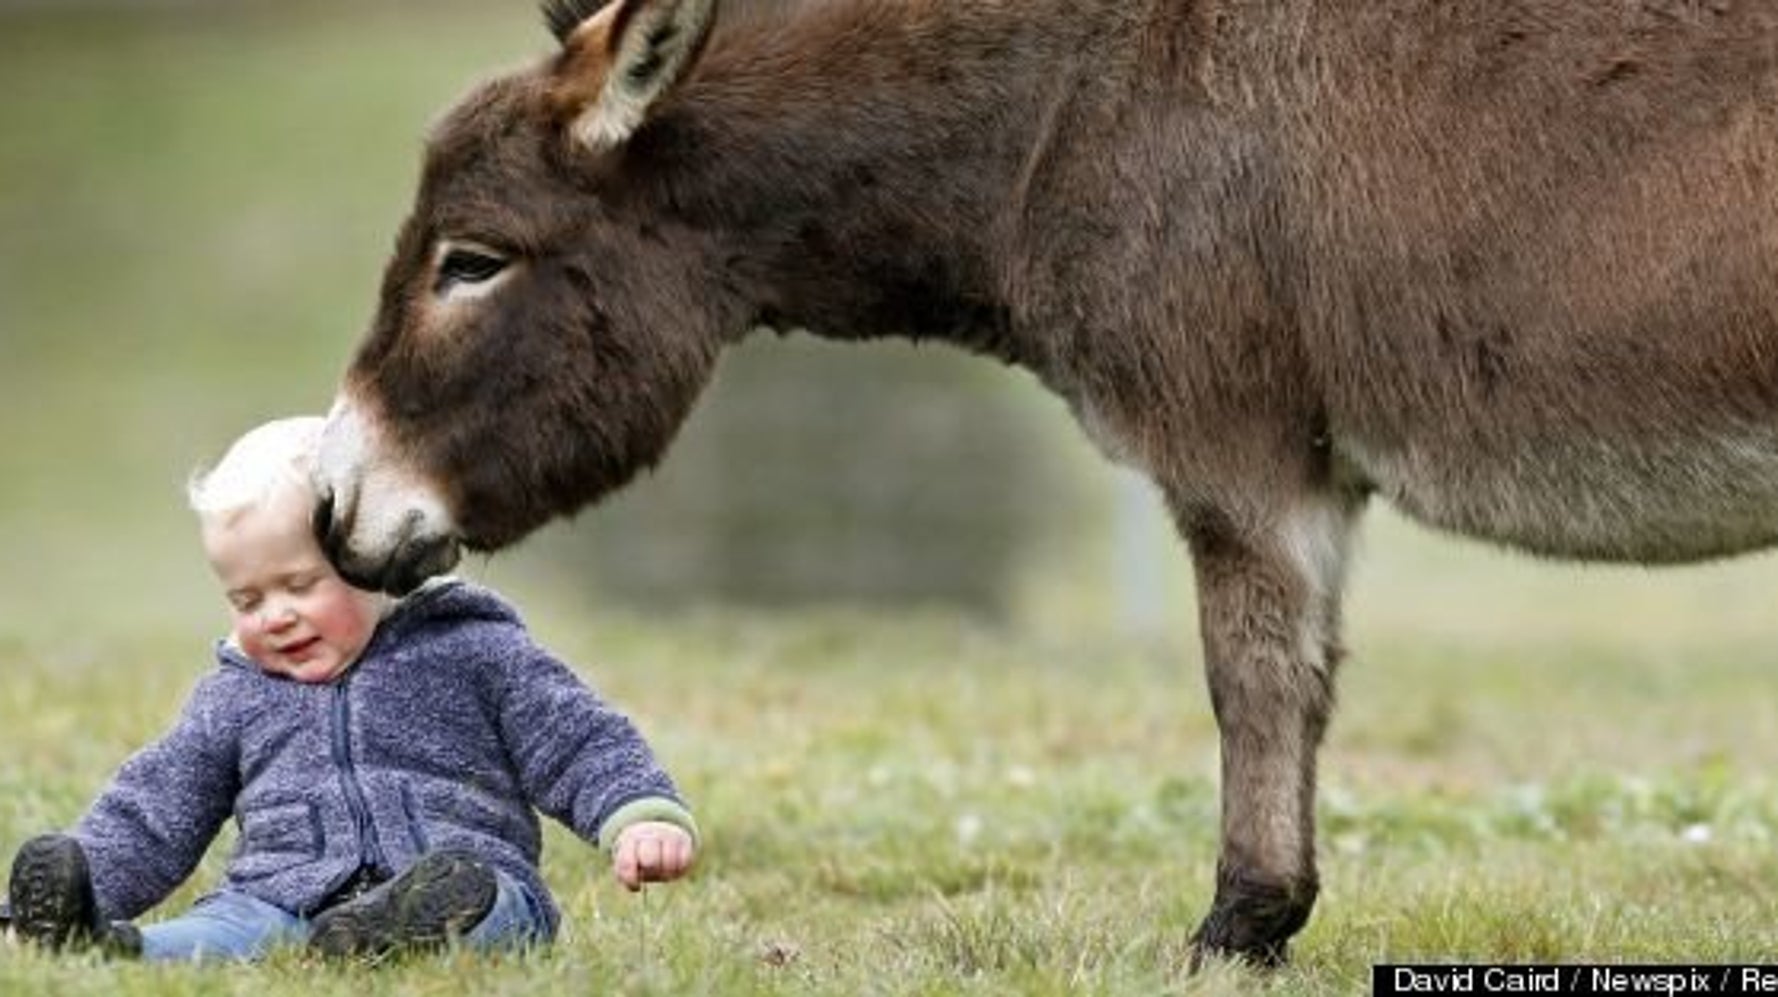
52, 892
441, 897
51, 897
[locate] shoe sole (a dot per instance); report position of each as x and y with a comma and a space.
52, 892
439, 898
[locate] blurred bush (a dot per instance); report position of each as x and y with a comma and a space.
815, 471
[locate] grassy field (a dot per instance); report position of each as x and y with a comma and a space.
1531, 762
925, 805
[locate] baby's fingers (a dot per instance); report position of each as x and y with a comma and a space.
651, 856
663, 857
626, 864
676, 855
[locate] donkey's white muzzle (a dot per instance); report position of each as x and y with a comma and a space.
383, 526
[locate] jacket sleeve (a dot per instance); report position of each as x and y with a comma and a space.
580, 761
150, 827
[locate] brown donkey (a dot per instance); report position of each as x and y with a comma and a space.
1511, 264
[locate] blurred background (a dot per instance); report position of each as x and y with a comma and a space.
196, 199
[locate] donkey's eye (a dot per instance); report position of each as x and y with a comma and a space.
467, 266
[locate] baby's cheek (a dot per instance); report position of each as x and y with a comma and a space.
344, 624
252, 642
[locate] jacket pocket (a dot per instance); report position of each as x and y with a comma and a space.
276, 836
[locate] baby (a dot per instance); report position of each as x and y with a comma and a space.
384, 760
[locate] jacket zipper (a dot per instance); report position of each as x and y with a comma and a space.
369, 852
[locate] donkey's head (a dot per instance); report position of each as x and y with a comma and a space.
544, 326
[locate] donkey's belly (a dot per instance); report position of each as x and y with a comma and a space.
1588, 500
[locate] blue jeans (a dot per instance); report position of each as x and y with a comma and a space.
232, 925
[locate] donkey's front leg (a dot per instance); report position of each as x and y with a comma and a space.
1269, 600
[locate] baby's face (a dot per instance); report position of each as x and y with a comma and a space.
293, 614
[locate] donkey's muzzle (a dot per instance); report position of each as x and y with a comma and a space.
414, 555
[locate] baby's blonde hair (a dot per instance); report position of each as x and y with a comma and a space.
265, 462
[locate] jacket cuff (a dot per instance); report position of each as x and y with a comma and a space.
659, 808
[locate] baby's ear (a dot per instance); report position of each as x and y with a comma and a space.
618, 63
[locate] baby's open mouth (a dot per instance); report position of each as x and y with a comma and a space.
299, 648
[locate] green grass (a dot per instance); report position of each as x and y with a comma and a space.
926, 805
1530, 762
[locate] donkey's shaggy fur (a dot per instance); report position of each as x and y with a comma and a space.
1510, 264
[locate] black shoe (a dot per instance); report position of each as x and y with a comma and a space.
441, 897
52, 893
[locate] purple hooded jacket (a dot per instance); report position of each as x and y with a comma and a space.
450, 732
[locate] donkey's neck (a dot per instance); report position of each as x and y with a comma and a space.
862, 161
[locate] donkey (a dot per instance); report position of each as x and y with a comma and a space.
1511, 265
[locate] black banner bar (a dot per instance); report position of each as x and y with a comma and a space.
1603, 978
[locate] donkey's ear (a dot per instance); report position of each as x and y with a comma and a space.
618, 62
563, 16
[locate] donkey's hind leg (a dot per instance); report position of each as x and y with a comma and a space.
1269, 600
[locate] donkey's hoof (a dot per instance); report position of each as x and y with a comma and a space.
1253, 920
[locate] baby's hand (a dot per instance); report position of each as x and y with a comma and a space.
651, 851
